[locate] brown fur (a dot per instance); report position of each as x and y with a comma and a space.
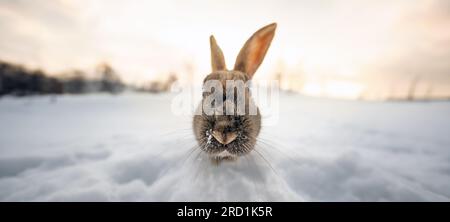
242, 130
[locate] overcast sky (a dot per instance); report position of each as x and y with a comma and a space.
376, 44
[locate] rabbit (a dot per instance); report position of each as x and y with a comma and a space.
223, 136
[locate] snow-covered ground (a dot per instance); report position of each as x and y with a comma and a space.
131, 148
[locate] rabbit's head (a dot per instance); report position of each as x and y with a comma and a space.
228, 122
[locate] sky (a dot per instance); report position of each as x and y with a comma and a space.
323, 48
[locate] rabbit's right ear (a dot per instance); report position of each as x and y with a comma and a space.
217, 58
254, 50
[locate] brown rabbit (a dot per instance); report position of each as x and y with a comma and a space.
224, 136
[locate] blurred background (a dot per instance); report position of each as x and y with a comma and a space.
369, 50
86, 113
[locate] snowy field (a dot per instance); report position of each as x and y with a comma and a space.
131, 148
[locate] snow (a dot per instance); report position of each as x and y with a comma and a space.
131, 147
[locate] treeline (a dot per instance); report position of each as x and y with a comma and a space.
158, 86
20, 81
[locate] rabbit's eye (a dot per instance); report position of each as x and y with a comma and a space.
236, 120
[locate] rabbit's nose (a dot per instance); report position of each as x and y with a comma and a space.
224, 138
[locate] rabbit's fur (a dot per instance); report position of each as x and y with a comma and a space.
222, 136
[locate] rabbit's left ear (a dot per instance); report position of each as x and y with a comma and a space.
253, 52
217, 58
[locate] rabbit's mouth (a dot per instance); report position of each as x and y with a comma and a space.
217, 149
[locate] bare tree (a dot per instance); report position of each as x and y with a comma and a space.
412, 87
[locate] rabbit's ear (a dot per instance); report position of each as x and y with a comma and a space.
217, 59
254, 50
